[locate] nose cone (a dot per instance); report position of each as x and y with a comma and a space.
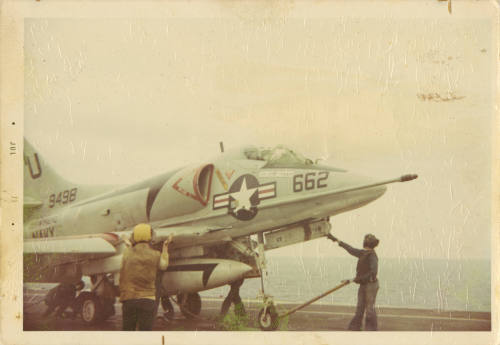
379, 191
228, 270
368, 193
359, 190
353, 180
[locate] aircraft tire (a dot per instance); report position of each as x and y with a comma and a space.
91, 309
269, 320
192, 305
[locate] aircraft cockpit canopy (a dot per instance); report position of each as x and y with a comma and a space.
277, 156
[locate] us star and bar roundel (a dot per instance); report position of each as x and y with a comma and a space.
244, 196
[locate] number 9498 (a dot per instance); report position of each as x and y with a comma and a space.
63, 197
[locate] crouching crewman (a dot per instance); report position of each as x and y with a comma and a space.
61, 297
137, 279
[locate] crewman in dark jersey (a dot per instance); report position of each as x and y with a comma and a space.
234, 298
366, 277
61, 297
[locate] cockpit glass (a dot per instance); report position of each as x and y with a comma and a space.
277, 155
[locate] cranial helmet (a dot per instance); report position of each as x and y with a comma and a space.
142, 233
370, 241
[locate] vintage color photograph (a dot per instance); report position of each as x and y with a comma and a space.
259, 169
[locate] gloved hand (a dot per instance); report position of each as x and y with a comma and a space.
127, 239
169, 239
167, 242
331, 237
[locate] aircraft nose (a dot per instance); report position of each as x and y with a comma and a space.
360, 190
371, 193
380, 190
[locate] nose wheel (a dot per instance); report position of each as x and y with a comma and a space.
268, 318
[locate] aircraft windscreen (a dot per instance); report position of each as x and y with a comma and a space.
279, 155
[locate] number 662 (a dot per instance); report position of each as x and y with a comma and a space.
310, 181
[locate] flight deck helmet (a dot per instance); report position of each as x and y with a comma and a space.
370, 241
142, 233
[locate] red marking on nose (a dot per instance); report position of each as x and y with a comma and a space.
266, 190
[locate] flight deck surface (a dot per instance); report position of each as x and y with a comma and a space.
316, 317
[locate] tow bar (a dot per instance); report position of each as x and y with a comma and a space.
269, 319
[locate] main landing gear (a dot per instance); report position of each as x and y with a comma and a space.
94, 309
189, 304
98, 304
268, 317
167, 306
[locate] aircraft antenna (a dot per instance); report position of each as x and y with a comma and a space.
221, 147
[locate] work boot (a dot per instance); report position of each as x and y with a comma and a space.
239, 310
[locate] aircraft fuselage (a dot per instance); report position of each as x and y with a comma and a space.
241, 194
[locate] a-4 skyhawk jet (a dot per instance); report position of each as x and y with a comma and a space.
210, 208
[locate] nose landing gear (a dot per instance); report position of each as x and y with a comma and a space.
268, 317
98, 304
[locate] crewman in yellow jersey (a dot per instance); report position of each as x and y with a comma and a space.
137, 279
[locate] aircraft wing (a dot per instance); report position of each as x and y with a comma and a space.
73, 248
78, 248
94, 246
101, 253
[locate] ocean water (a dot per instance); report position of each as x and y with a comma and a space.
413, 283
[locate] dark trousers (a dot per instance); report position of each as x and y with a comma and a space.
63, 306
367, 293
60, 308
138, 313
234, 297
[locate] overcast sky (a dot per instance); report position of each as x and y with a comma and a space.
118, 100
